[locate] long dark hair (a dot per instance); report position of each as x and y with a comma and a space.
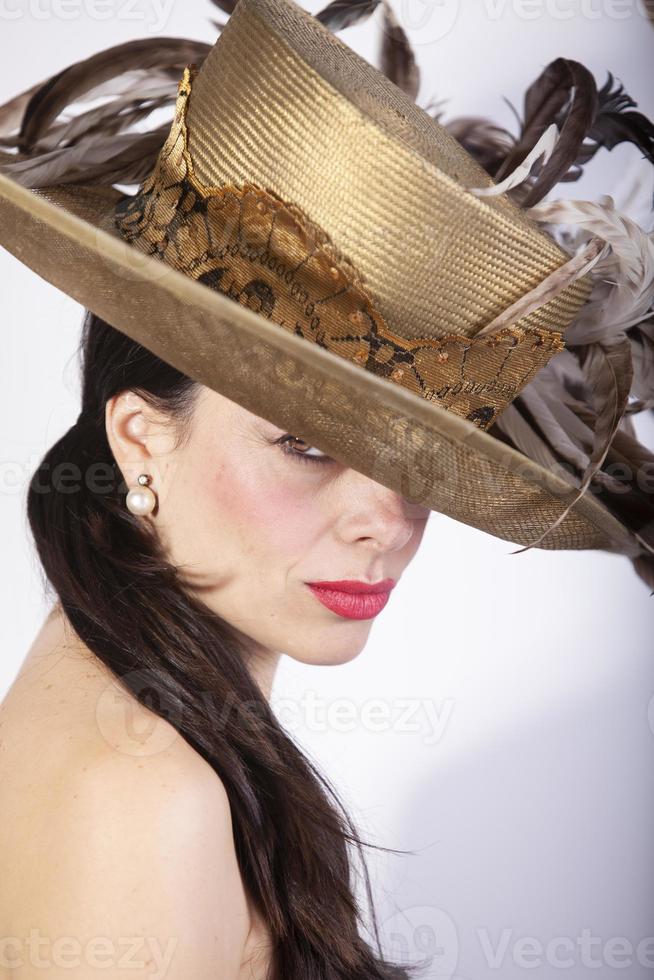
131, 607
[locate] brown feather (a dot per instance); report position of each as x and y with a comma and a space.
487, 143
564, 93
642, 355
558, 422
644, 567
613, 124
227, 6
632, 466
340, 14
608, 370
13, 111
101, 145
103, 159
397, 60
524, 436
78, 79
108, 119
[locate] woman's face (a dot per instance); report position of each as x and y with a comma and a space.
252, 521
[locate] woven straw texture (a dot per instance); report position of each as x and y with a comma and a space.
381, 177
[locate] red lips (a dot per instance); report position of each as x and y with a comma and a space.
352, 599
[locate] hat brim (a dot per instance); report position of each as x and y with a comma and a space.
431, 456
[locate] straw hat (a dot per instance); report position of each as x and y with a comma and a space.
312, 244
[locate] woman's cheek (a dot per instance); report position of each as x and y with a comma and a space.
259, 502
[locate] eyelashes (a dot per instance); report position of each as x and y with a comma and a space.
284, 442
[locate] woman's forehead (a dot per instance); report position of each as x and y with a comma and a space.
229, 410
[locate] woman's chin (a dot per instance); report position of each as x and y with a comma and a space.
329, 650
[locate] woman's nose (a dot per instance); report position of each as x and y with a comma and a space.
368, 510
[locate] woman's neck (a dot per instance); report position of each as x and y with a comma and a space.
262, 665
259, 660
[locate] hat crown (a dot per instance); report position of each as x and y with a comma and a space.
247, 242
283, 103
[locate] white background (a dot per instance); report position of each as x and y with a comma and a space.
530, 807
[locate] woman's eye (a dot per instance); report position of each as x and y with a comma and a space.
289, 444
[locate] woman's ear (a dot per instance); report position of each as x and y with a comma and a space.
137, 436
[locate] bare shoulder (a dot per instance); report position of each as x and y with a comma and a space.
116, 846
138, 870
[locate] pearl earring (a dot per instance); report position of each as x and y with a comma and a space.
141, 499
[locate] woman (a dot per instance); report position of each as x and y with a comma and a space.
121, 822
184, 531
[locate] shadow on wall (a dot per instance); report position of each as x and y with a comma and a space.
536, 851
